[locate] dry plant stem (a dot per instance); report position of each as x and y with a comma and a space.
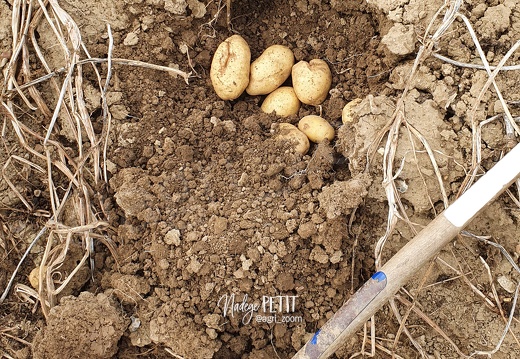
147, 65
363, 343
117, 61
228, 13
473, 66
493, 289
10, 183
414, 151
364, 340
402, 321
27, 293
82, 170
497, 300
476, 152
15, 272
492, 76
402, 328
107, 116
496, 245
212, 21
383, 349
376, 346
513, 197
391, 129
3, 332
513, 264
461, 274
432, 324
6, 355
373, 335
436, 169
169, 351
506, 329
70, 57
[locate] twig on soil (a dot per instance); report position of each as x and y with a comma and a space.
474, 66
464, 277
20, 340
515, 298
116, 61
15, 272
169, 351
431, 323
210, 23
363, 352
495, 296
493, 289
506, 329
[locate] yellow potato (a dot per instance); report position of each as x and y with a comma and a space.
34, 277
316, 128
270, 70
347, 113
229, 71
288, 132
311, 81
283, 101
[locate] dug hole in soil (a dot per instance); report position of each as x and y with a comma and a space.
207, 208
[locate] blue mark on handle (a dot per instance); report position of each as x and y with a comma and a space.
379, 276
314, 339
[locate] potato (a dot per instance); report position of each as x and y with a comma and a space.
283, 101
311, 81
270, 70
289, 133
229, 71
347, 113
316, 128
34, 277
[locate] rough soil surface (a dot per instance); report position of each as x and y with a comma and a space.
88, 326
207, 208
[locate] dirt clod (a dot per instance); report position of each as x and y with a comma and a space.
86, 326
341, 197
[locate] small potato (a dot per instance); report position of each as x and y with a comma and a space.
270, 70
347, 113
288, 132
34, 277
283, 101
229, 71
316, 128
311, 81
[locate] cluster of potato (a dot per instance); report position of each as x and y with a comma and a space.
232, 73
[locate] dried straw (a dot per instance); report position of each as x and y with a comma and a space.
72, 179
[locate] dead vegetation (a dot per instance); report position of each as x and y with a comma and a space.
399, 127
76, 173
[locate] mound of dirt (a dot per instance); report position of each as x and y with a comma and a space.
86, 326
215, 223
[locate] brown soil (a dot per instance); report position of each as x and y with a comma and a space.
207, 207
